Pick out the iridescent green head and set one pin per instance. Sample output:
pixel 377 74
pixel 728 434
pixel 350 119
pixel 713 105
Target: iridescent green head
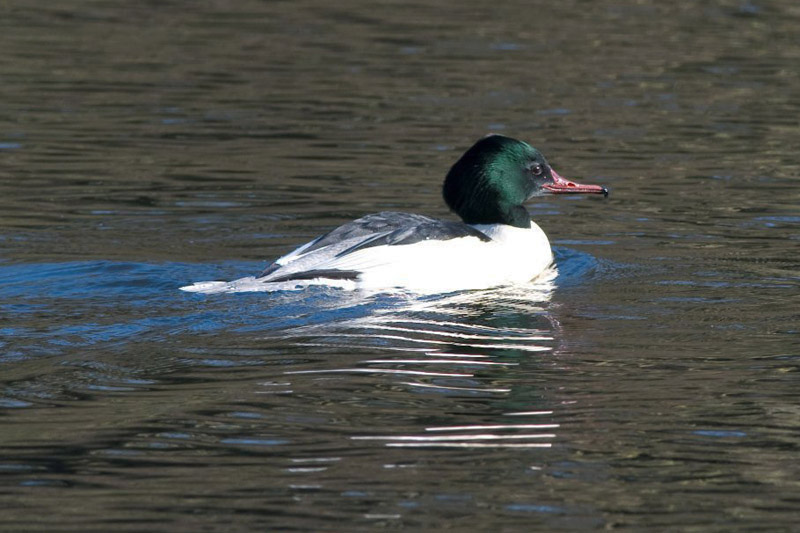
pixel 492 180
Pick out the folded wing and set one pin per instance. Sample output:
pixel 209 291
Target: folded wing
pixel 335 255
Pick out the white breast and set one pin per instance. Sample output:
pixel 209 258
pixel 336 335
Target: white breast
pixel 525 252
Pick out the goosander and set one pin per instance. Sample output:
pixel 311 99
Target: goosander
pixel 496 243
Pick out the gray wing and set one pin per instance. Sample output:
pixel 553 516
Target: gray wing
pixel 387 228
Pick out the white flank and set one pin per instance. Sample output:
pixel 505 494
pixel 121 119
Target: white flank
pixel 513 256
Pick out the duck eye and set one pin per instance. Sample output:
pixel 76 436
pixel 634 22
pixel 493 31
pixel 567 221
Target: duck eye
pixel 537 170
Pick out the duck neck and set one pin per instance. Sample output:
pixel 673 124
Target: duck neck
pixel 516 216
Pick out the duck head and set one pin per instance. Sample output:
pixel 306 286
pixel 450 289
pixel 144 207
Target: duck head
pixel 492 180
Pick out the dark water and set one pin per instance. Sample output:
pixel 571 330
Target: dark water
pixel 147 145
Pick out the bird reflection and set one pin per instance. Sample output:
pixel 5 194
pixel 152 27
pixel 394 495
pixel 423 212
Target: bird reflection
pixel 450 345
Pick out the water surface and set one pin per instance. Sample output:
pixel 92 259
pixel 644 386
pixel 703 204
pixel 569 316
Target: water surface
pixel 652 385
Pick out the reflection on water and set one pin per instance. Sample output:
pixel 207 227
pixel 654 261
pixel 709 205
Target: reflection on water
pixel 445 343
pixel 144 145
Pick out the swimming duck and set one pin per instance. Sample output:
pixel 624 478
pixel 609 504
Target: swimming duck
pixel 496 243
